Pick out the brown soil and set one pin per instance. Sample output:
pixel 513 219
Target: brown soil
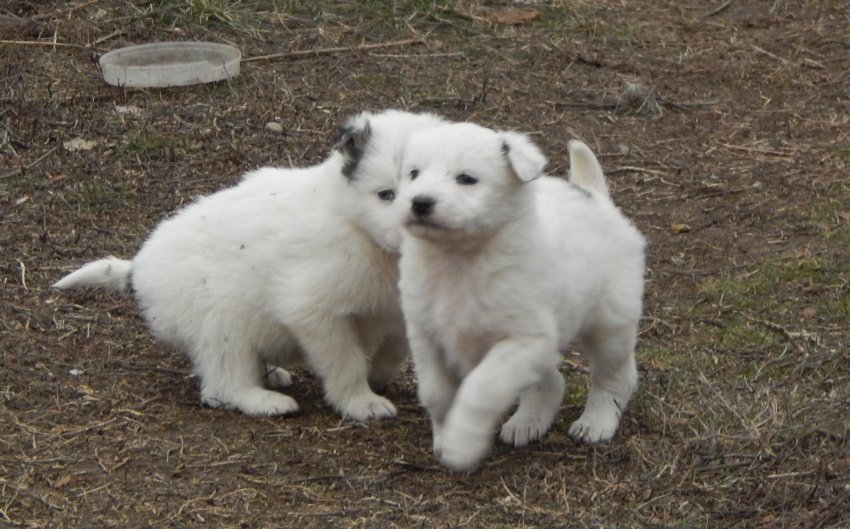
pixel 731 156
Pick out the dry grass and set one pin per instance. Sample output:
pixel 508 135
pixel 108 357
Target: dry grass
pixel 741 419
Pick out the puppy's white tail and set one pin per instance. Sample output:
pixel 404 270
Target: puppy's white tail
pixel 112 273
pixel 585 170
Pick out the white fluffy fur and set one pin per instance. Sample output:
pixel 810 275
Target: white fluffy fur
pixel 498 276
pixel 291 264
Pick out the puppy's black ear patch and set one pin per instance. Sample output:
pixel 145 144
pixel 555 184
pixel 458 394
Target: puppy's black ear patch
pixel 351 143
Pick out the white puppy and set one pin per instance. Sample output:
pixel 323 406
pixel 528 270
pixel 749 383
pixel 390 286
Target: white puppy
pixel 500 270
pixel 291 264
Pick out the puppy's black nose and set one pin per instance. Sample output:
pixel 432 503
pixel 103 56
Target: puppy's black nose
pixel 422 205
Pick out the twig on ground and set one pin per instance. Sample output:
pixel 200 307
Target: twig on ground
pixel 780 329
pixel 654 323
pixel 592 106
pixel 638 98
pixel 340 49
pixel 29 166
pixel 771 55
pixel 87 428
pixel 686 104
pixel 66 11
pixel 836 41
pixel 701 273
pixel 27 427
pixel 414 466
pixel 23 274
pixel 52 44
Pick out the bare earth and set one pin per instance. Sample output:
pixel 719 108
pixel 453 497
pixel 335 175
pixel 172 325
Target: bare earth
pixel 729 150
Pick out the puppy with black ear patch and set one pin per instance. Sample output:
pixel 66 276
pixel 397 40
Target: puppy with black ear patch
pixel 501 269
pixel 290 265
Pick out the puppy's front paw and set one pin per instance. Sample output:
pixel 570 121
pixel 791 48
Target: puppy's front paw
pixel 524 427
pixel 594 427
pixel 368 407
pixel 462 448
pixel 263 402
pixel 277 377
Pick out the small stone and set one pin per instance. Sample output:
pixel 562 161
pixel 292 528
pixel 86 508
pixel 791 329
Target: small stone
pixel 133 111
pixel 274 126
pixel 76 372
pixel 810 313
pixel 680 228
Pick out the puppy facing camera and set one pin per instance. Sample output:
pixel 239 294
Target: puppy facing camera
pixel 290 265
pixel 502 268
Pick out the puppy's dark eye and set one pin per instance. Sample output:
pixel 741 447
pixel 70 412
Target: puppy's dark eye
pixel 386 194
pixel 466 180
pixel 414 173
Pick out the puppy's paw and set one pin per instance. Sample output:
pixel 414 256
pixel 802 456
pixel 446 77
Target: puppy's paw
pixel 524 427
pixel 462 454
pixel 277 377
pixel 464 444
pixel 263 402
pixel 593 428
pixel 368 407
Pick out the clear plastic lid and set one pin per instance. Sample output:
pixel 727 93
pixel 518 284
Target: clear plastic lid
pixel 161 64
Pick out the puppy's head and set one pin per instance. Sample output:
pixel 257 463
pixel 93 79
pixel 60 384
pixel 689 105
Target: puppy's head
pixel 370 145
pixel 462 182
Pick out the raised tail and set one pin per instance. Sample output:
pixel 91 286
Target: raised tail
pixel 112 273
pixel 585 170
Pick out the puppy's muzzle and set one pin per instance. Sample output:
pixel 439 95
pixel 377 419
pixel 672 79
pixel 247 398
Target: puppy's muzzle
pixel 422 205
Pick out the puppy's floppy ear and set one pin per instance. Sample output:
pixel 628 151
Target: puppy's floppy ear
pixel 524 157
pixel 350 141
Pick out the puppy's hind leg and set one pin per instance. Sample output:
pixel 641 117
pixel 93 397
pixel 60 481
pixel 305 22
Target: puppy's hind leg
pixel 613 378
pixel 387 362
pixel 333 351
pixel 276 377
pixel 231 376
pixel 538 407
pixel 283 352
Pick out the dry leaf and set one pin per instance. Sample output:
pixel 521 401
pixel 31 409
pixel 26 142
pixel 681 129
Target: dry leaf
pixel 810 312
pixel 79 144
pixel 514 16
pixel 844 215
pixel 61 482
pixel 680 228
pixel 57 178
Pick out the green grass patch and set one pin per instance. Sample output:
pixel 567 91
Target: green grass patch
pixel 239 15
pixel 657 356
pixel 82 193
pixel 148 145
pixel 758 310
pixel 782 286
pixel 96 194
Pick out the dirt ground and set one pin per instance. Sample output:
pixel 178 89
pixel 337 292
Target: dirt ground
pixel 729 150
